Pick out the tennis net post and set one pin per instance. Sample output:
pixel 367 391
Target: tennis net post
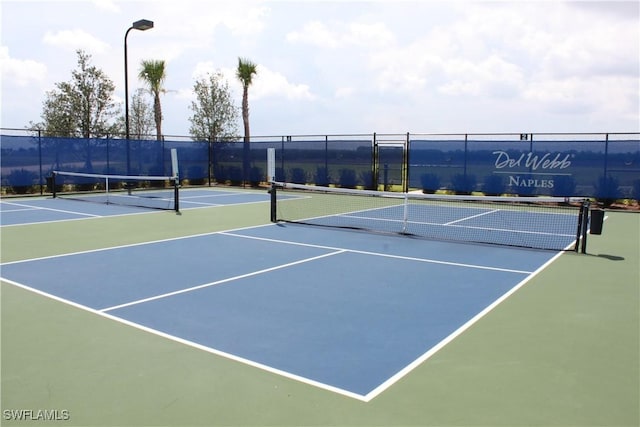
pixel 583 227
pixel 271 177
pixel 53 184
pixel 274 202
pixel 176 193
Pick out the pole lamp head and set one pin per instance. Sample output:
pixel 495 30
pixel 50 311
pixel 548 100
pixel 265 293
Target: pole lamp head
pixel 143 25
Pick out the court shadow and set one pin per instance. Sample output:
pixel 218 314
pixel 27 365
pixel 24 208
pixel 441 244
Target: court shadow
pixel 609 257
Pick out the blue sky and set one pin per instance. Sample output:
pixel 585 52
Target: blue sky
pixel 336 67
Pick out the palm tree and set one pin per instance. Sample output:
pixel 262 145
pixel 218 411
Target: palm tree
pixel 245 72
pixel 153 73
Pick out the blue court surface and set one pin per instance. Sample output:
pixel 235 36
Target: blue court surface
pixel 47 209
pixel 347 311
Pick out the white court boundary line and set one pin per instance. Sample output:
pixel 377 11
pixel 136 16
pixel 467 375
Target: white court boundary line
pixel 467 218
pixel 26 207
pixel 364 398
pixel 218 193
pixel 109 248
pixel 433 350
pixel 211 350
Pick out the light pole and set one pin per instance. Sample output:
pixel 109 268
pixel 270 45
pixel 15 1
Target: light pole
pixel 142 25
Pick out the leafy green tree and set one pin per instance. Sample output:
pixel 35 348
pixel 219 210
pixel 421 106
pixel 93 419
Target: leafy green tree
pixel 82 107
pixel 153 74
pixel 245 72
pixel 215 115
pixel 141 118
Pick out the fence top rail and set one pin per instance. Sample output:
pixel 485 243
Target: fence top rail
pixel 293 137
pixel 524 133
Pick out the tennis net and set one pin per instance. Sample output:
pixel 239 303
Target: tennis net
pixel 155 192
pixel 529 222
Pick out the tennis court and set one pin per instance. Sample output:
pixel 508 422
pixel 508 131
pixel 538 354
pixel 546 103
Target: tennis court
pixel 30 211
pixel 217 316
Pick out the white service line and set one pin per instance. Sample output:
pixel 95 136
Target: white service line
pixel 217 282
pixel 54 210
pixel 355 251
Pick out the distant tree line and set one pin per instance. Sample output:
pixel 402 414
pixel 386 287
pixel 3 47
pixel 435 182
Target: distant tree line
pixel 85 107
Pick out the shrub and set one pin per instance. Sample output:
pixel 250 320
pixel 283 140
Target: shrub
pixel 256 176
pixel 298 176
pixel 21 180
pixel 84 184
pixel 196 175
pixel 156 171
pixel 348 178
pixel 235 175
pixel 636 190
pixel 219 174
pixel 430 183
pixel 493 185
pixel 322 176
pixel 463 184
pixel 607 190
pixel 366 178
pixel 564 186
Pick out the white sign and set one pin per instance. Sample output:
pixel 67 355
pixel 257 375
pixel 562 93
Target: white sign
pixel 541 168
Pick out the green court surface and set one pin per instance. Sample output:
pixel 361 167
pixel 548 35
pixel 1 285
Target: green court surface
pixel 561 351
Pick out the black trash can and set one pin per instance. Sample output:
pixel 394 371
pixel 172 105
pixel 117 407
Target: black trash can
pixel 597 219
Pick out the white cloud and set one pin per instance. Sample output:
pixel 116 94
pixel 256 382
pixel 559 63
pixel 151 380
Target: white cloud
pixel 314 33
pixel 370 36
pixel 107 5
pixel 405 69
pixel 598 50
pixel 22 72
pixel 614 96
pixel 557 55
pixel 270 83
pixel 205 68
pixel 493 76
pixel 202 69
pixel 191 31
pixel 266 83
pixel 394 77
pixel 339 34
pixel 344 92
pixel 246 21
pixel 75 39
pixel 560 95
pixel 194 23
